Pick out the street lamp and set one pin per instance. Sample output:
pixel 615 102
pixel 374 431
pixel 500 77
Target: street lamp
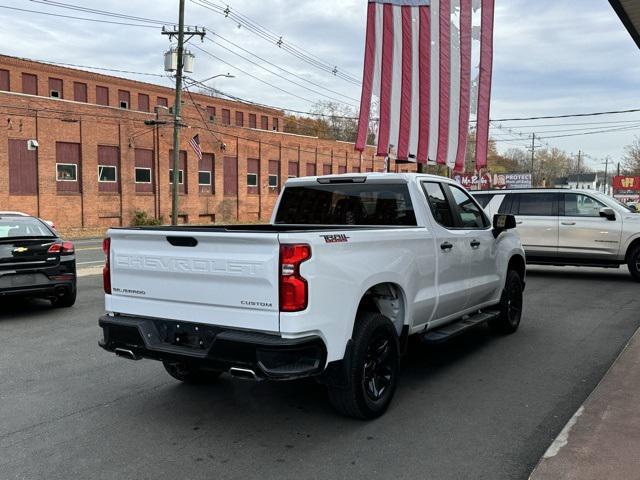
pixel 226 75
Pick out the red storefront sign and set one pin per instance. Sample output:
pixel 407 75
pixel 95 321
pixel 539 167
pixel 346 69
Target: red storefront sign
pixel 621 182
pixel 473 182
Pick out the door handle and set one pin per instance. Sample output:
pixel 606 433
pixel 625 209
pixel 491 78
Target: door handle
pixel 518 222
pixel 568 223
pixel 475 244
pixel 446 246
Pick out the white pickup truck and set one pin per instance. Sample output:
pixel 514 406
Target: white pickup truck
pixel 348 268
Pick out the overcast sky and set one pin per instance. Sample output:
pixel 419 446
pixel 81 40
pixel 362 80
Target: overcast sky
pixel 559 57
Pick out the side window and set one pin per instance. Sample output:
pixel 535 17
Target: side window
pixel 470 215
pixel 578 205
pixel 439 204
pixel 537 204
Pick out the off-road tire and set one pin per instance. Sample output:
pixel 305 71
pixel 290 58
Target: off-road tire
pixel 510 306
pixel 633 262
pixel 372 369
pixel 190 374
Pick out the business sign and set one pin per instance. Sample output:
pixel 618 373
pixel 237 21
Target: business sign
pixel 511 180
pixel 621 182
pixel 472 181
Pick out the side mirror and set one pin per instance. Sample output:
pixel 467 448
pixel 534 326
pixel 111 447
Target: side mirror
pixel 608 213
pixel 502 222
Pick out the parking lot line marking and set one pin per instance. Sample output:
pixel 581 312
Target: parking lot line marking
pixel 89 263
pixel 88 248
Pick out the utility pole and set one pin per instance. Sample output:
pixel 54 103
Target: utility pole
pixel 579 173
pixel 177 107
pixel 533 152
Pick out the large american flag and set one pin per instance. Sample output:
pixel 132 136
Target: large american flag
pixel 195 144
pixel 418 62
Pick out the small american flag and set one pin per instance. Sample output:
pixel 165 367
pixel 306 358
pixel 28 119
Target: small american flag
pixel 195 144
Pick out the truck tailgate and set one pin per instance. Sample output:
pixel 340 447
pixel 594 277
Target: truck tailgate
pixel 218 278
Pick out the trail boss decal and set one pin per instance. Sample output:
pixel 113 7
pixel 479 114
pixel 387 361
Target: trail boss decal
pixel 341 237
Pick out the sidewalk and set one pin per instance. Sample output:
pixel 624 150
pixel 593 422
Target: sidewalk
pixel 602 440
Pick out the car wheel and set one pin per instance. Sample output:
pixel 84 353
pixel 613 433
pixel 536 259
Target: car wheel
pixel 510 306
pixel 66 300
pixel 372 369
pixel 190 374
pixel 633 262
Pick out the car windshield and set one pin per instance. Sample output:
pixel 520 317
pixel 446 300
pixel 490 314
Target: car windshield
pixel 20 227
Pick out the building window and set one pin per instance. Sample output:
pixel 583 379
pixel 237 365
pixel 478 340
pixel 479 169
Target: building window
pixel 66 172
pixel 230 176
pixel 264 122
pixel 342 169
pixel 211 113
pixel 143 175
pixel 162 102
pixel 55 88
pixel 252 120
pixel 206 173
pixel 274 175
pixel 226 116
pixel 80 92
pixel 102 95
pixel 107 174
pixel 144 164
pixel 293 170
pixel 23 176
pixel 311 169
pixel 204 178
pixel 68 167
pixel 239 119
pixel 276 125
pixel 180 176
pixel 326 169
pixel 143 102
pixel 253 175
pixel 124 98
pixel 29 84
pixel 5 83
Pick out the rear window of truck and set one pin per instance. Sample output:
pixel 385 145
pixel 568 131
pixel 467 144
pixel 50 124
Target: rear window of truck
pixel 347 204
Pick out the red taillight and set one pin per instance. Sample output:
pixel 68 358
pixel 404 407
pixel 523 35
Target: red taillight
pixel 293 287
pixel 63 248
pixel 106 271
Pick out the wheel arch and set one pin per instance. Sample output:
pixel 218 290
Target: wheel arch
pixel 634 243
pixel 519 264
pixel 386 298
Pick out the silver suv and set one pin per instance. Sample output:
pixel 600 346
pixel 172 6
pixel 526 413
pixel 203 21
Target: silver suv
pixel 570 227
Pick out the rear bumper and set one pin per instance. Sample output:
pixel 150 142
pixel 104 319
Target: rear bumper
pixel 268 356
pixel 54 288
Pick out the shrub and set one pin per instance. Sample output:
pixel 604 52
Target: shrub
pixel 142 219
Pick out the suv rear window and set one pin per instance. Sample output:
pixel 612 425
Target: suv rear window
pixel 535 204
pixel 346 204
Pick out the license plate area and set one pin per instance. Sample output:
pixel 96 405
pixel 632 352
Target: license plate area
pixel 186 335
pixel 23 280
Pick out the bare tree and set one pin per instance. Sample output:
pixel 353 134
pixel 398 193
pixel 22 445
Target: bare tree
pixel 631 158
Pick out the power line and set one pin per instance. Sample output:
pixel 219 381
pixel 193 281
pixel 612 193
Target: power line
pixel 280 76
pixel 281 68
pixel 276 39
pixel 105 69
pixel 569 115
pixel 77 18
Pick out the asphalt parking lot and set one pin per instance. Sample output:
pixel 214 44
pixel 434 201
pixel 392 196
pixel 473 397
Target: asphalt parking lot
pixel 481 407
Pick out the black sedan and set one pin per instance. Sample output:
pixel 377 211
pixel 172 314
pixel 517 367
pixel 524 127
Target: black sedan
pixel 35 261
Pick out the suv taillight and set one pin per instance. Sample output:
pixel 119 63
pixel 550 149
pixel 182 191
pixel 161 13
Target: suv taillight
pixel 293 287
pixel 106 271
pixel 63 248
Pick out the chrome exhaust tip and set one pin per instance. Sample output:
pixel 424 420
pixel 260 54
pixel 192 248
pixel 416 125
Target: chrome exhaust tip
pixel 244 373
pixel 128 354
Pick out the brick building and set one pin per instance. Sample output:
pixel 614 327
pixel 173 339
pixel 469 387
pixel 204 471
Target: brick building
pixel 75 149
